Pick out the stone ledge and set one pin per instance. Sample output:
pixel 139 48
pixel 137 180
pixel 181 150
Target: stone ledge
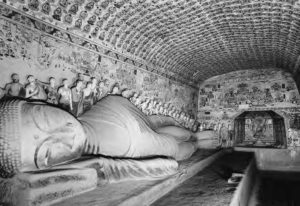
pixel 47 187
pixel 143 192
pixel 149 196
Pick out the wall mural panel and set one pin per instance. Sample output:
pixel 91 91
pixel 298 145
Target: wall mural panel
pixel 223 97
pixel 30 52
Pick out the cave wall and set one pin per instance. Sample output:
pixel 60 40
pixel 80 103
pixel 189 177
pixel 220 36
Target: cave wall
pixel 26 49
pixel 224 97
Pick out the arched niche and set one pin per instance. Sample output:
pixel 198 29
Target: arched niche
pixel 260 129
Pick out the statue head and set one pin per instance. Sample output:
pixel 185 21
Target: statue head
pixel 65 82
pixel 126 93
pixel 94 81
pixel 101 84
pixel 15 78
pixel 89 85
pixel 115 89
pixel 37 136
pixel 79 84
pixel 52 81
pixel 80 76
pixel 31 79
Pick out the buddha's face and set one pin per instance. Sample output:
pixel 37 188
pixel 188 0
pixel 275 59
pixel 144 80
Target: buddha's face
pixel 50 136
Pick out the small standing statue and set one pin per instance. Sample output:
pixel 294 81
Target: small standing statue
pixel 101 91
pixel 115 89
pixel 2 93
pixel 95 90
pixel 77 98
pixel 51 91
pixel 34 90
pixel 14 88
pixel 126 93
pixel 134 98
pixel 87 97
pixel 65 97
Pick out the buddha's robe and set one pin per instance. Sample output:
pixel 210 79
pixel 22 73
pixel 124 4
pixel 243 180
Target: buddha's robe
pixel 115 127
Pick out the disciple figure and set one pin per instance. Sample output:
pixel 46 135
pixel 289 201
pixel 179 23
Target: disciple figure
pixel 134 98
pixel 115 89
pixel 126 93
pixel 77 98
pixel 34 90
pixel 14 88
pixel 2 93
pixel 87 97
pixel 94 89
pixel 65 97
pixel 51 91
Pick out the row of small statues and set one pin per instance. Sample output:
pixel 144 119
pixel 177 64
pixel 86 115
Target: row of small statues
pixel 83 94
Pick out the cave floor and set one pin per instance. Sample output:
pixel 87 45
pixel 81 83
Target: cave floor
pixel 209 187
pixel 278 189
pixel 143 192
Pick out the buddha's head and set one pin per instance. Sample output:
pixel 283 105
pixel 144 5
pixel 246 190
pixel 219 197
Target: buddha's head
pixel 36 136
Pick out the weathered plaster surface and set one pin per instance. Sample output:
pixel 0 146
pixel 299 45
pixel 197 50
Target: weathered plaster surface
pixel 224 97
pixel 31 51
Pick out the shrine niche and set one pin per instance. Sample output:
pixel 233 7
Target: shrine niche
pixel 260 129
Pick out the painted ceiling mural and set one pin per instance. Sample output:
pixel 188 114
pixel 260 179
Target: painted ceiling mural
pixel 188 39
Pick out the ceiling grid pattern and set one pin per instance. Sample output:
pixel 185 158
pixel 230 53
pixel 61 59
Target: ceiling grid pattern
pixel 191 39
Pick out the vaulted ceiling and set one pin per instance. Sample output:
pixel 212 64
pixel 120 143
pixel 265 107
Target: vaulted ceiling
pixel 193 39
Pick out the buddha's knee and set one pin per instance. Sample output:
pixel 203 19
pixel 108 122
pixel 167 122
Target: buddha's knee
pixel 179 133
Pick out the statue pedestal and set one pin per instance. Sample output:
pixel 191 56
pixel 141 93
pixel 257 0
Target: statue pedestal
pixel 64 181
pixel 46 187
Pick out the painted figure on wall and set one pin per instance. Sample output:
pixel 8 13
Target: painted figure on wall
pixel 14 88
pixel 258 128
pixel 65 98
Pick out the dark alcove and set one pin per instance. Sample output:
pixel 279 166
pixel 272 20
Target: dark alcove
pixel 260 129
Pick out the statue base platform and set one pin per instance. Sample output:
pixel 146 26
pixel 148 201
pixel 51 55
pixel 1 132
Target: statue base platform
pixel 46 187
pixel 102 181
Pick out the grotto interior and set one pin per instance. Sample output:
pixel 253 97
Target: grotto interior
pixel 149 102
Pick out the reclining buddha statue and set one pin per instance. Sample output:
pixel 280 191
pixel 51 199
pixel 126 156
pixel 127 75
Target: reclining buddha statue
pixel 35 136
